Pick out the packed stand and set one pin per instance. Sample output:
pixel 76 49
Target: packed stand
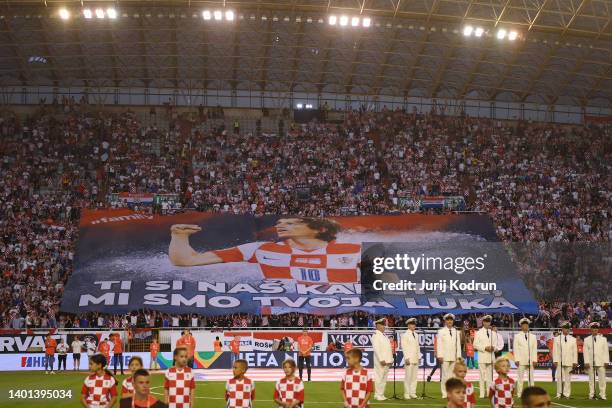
pixel 540 183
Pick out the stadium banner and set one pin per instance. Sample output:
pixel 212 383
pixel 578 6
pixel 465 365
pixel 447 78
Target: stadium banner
pixel 36 361
pixel 274 359
pixel 34 342
pixel 363 339
pixel 208 360
pixel 215 264
pixel 269 340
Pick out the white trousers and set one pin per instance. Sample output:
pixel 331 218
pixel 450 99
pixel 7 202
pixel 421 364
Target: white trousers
pixel 380 378
pixel 447 368
pixel 410 380
pixel 564 372
pixel 601 374
pixel 485 379
pixel 522 370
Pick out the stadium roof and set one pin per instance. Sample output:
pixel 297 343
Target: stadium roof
pixel 562 54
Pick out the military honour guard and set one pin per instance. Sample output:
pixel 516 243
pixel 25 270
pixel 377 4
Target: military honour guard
pixel 448 350
pixel 383 359
pixel 485 342
pixel 525 354
pixel 412 355
pixel 565 359
pixel 596 359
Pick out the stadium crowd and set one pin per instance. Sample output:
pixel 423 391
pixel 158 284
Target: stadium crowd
pixel 541 184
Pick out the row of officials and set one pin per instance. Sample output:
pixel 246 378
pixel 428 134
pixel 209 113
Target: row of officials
pixel 448 350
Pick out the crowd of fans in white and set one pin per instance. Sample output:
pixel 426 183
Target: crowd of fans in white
pixel 541 183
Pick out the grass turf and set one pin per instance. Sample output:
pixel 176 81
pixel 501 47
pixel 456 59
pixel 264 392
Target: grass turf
pixel 210 394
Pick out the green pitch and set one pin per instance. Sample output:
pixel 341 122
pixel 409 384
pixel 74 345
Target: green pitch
pixel 210 394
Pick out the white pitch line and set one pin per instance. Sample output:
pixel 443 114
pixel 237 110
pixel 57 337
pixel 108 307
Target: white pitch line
pixel 567 406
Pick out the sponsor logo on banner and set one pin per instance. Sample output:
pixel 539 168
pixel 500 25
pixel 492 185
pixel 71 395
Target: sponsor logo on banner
pixel 205 359
pixel 26 343
pixel 35 342
pixel 363 339
pixel 359 339
pixel 265 340
pixel 36 361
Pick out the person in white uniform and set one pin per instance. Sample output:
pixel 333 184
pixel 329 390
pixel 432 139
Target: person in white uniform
pixel 596 358
pixel 383 358
pixel 565 358
pixel 412 355
pixel 448 350
pixel 485 342
pixel 525 354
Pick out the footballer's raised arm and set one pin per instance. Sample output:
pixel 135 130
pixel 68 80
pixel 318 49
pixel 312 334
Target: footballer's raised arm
pixel 180 251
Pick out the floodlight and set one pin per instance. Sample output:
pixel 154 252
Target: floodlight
pixel 64 14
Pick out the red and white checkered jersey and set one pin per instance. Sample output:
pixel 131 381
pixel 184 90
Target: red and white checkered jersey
pixel 277 260
pixel 127 386
pixel 470 397
pixel 289 390
pixel 99 390
pixel 501 390
pixel 179 383
pixel 356 384
pixel 239 393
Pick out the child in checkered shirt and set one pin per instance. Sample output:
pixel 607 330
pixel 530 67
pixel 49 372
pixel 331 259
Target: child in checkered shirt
pixel 357 384
pixel 179 383
pixel 127 386
pixel 239 390
pixel 289 391
pixel 455 393
pixel 460 372
pixel 100 388
pixel 503 389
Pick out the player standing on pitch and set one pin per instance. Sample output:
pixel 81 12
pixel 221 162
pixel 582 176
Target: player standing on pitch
pixel 305 344
pixel 307 252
